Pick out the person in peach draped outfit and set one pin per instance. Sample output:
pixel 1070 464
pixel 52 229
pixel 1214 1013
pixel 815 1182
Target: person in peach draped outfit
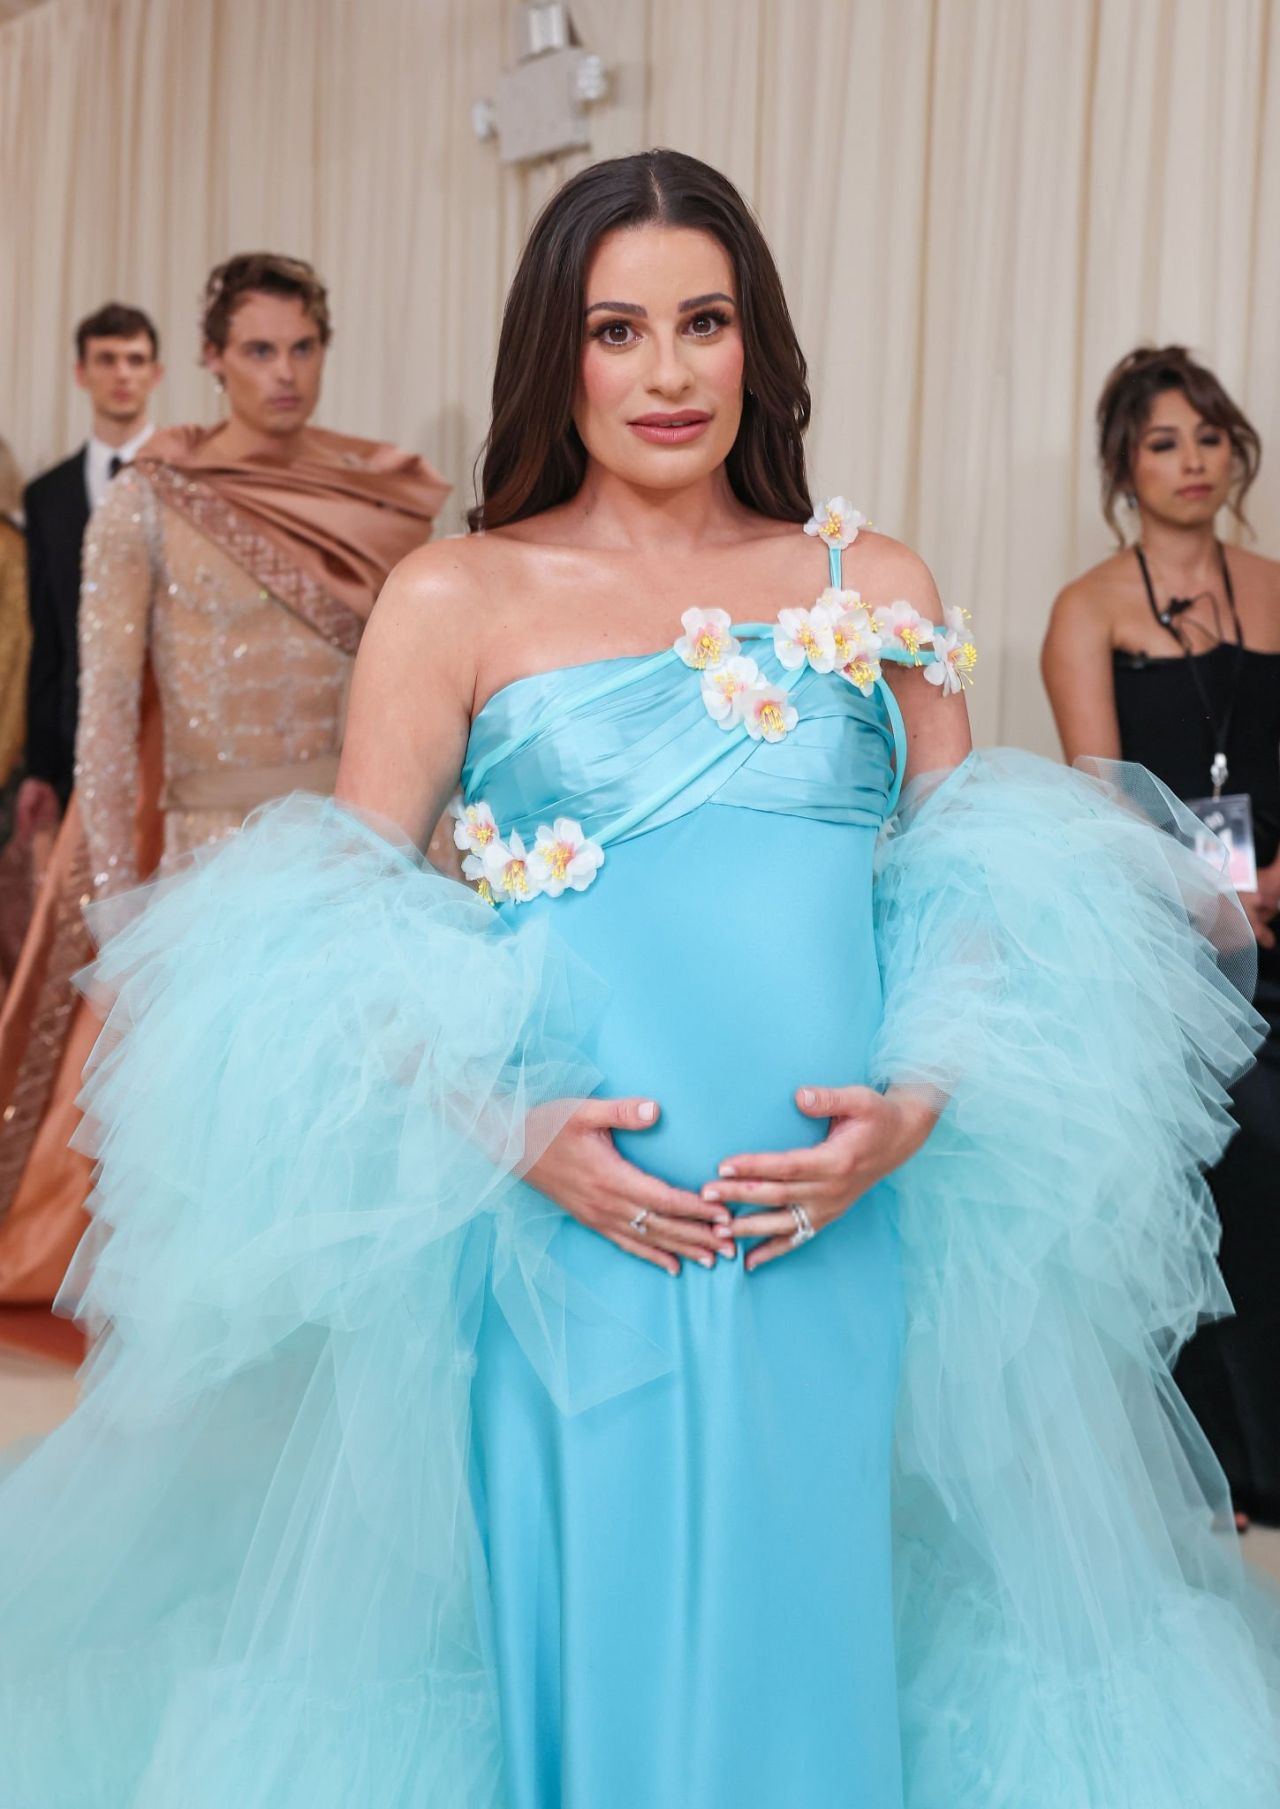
pixel 228 574
pixel 15 648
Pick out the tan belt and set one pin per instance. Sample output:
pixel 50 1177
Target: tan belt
pixel 245 787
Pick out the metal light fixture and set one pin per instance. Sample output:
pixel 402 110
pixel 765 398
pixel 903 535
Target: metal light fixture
pixel 540 107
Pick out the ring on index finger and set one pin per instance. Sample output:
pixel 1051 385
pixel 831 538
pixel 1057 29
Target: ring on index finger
pixel 637 1224
pixel 804 1226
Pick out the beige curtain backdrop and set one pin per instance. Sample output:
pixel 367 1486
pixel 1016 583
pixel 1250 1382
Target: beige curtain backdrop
pixel 977 206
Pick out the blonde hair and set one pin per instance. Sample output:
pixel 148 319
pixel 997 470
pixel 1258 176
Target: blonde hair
pixel 10 482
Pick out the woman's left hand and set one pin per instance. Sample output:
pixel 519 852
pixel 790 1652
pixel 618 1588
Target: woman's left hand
pixel 871 1134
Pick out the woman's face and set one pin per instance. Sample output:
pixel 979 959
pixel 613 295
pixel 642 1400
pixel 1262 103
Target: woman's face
pixel 659 395
pixel 1183 464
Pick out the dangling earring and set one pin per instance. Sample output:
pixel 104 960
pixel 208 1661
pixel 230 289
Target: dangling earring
pixel 1130 500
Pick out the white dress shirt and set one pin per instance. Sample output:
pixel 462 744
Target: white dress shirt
pixel 97 461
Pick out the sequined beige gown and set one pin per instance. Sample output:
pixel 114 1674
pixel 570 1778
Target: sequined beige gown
pixel 252 687
pixel 251 659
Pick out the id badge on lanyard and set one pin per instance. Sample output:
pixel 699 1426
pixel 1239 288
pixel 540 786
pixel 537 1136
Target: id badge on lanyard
pixel 1227 819
pixel 1228 823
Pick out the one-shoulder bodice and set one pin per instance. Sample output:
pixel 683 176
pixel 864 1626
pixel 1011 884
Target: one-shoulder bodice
pixel 791 719
pixel 625 745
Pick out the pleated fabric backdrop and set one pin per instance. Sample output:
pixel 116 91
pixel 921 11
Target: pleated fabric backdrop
pixel 977 206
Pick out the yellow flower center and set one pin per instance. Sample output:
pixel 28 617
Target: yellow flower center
pixel 515 878
pixel 557 857
pixel 706 649
pixel 962 660
pixel 808 640
pixel 910 640
pixel 485 890
pixel 843 643
pixel 859 672
pixel 481 831
pixel 833 524
pixel 771 717
pixel 727 684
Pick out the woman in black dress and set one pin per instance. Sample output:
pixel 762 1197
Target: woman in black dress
pixel 1168 654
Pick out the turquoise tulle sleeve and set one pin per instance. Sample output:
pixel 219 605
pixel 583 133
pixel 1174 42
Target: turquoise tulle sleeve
pixel 1070 984
pixel 321 1059
pixel 324 1071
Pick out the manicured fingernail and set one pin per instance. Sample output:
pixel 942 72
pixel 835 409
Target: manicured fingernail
pixel 723 1217
pixel 711 1193
pixel 728 1251
pixel 807 1096
pixel 726 1171
pixel 648 1111
pixel 708 1262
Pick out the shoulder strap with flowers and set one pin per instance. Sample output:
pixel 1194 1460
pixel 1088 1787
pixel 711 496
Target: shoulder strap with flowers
pixel 839 634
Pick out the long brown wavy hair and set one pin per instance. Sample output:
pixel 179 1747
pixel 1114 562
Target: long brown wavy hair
pixel 533 457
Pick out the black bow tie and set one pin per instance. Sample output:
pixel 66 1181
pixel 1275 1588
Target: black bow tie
pixel 115 464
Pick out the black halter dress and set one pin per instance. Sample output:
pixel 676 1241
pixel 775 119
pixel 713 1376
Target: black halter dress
pixel 1229 1370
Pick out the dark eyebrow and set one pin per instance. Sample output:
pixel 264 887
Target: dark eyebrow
pixel 633 308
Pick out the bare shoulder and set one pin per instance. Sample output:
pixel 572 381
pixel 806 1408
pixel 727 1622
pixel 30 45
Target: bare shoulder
pixel 1092 602
pixel 435 597
pixel 1257 569
pixel 886 570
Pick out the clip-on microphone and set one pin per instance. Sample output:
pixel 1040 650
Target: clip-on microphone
pixel 1174 607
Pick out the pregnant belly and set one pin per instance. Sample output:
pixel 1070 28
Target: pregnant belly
pixel 738 953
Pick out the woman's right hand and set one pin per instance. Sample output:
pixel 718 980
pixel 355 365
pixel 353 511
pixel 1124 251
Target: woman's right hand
pixel 583 1173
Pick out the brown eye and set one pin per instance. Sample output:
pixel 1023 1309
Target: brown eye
pixel 613 332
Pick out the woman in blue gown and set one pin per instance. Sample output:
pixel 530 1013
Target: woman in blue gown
pixel 683 1318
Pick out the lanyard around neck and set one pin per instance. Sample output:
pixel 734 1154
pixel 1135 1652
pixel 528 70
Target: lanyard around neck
pixel 1166 617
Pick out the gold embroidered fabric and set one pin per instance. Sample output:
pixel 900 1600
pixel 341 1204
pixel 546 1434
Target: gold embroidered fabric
pixel 251 660
pixel 15 646
pixel 39 1005
pixel 268 563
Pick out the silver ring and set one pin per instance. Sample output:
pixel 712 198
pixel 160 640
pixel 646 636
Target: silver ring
pixel 637 1223
pixel 804 1226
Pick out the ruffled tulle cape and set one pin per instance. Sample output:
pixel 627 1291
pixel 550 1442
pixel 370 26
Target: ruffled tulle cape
pixel 249 1570
pixel 1075 1627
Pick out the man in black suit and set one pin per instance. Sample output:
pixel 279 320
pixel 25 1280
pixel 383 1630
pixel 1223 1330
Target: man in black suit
pixel 118 364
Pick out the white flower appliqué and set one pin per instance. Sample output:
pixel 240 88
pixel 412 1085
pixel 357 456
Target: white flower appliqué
pixel 474 826
pixel 902 626
pixel 724 688
pixel 807 634
pixel 836 522
pixel 504 870
pixel 955 654
pixel 855 632
pixel 563 858
pixel 767 714
pixel 505 866
pixel 707 640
